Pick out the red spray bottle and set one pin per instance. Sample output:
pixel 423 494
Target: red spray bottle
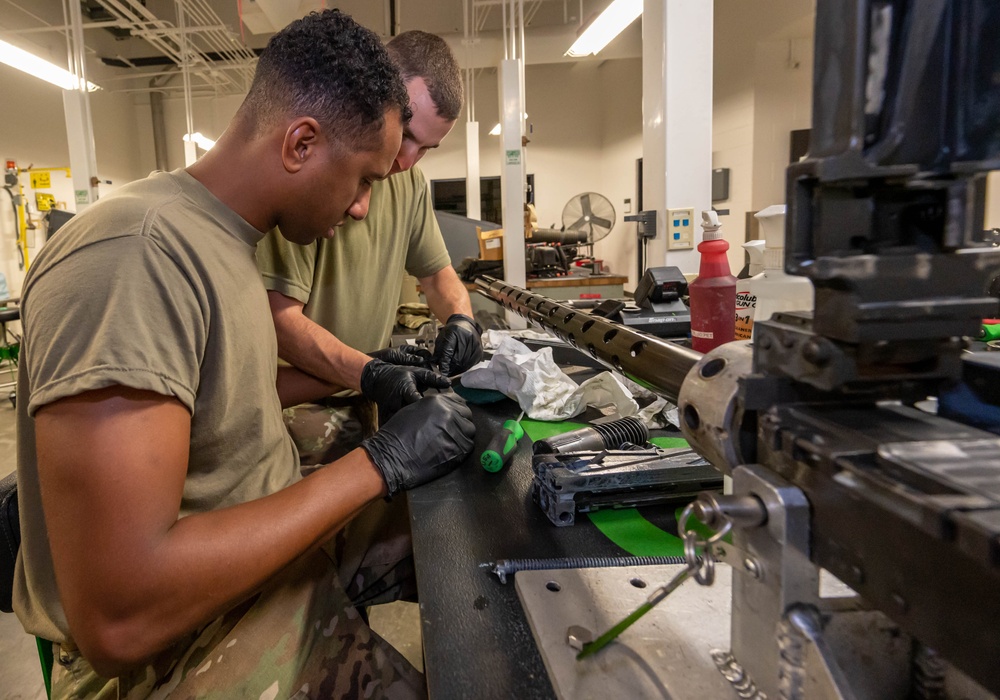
pixel 713 293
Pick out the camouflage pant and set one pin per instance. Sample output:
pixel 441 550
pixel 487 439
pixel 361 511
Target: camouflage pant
pixel 301 637
pixel 326 432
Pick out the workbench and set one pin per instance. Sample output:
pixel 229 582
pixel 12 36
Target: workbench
pixel 476 639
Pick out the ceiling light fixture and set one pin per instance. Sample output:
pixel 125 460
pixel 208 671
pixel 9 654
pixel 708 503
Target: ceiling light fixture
pixel 40 68
pixel 609 24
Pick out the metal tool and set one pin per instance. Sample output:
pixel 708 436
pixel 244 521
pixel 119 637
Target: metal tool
pixel 508 567
pixel 654 599
pixel 497 454
pixel 700 563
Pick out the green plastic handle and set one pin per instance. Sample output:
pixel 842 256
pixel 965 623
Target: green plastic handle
pixel 990 331
pixel 497 454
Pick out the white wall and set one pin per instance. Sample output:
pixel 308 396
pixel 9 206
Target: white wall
pixel 782 103
pixel 34 134
pixel 564 103
pixel 621 147
pixel 753 86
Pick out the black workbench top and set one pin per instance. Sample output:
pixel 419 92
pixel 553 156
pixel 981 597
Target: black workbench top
pixel 477 642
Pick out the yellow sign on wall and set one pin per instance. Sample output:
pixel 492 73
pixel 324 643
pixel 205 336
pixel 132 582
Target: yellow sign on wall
pixel 44 201
pixel 41 179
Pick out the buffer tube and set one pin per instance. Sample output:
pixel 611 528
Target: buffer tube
pixel 652 362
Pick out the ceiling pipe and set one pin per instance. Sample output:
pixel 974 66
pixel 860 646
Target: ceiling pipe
pixel 159 121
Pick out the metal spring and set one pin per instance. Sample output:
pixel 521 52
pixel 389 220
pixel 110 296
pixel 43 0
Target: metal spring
pixel 618 432
pixel 508 567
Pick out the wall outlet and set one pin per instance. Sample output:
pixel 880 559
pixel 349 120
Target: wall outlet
pixel 680 229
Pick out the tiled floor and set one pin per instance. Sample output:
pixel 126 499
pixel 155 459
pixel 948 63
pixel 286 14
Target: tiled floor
pixel 20 673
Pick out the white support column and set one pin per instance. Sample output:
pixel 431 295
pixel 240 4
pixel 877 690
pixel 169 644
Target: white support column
pixel 473 198
pixel 512 179
pixel 79 124
pixel 82 154
pixel 676 119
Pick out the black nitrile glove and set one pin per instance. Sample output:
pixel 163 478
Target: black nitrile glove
pixel 425 440
pixel 404 356
pixel 392 386
pixel 459 345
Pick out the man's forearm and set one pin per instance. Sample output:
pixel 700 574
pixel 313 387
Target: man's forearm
pixel 184 581
pixel 133 577
pixel 305 344
pixel 446 295
pixel 295 387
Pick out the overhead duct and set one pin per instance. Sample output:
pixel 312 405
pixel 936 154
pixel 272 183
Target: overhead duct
pixel 159 122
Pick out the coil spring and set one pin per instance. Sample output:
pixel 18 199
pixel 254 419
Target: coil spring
pixel 617 433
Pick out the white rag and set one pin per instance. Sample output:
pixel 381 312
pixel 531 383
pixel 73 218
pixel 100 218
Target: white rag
pixel 541 389
pixel 493 338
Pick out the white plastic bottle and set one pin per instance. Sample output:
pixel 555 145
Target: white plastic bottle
pixel 746 302
pixel 773 288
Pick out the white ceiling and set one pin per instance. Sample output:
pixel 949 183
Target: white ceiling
pixel 138 55
pixel 215 26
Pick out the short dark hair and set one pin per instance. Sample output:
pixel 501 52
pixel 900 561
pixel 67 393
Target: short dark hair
pixel 422 55
pixel 329 67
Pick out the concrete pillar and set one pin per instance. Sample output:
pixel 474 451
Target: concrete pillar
pixel 473 197
pixel 79 124
pixel 676 124
pixel 512 177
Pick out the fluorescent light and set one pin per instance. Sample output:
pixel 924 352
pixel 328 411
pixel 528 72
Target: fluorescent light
pixel 203 141
pixel 612 22
pixel 495 131
pixel 39 67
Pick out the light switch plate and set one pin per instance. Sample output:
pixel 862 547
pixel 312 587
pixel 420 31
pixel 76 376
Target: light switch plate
pixel 680 229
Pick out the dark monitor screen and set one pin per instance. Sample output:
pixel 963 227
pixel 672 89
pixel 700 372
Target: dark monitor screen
pixel 57 218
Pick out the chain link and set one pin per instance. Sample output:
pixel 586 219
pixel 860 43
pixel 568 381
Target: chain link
pixel 697 550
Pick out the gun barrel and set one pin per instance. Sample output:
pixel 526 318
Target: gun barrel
pixel 657 364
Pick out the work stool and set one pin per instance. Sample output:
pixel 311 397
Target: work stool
pixel 10 543
pixel 10 345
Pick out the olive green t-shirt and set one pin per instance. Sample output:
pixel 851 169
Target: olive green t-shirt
pixel 350 283
pixel 153 288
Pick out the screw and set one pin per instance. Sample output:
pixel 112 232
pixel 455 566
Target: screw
pixel 752 567
pixel 577 636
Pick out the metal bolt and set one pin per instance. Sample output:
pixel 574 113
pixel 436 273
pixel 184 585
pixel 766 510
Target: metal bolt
pixel 752 567
pixel 577 636
pixel 816 353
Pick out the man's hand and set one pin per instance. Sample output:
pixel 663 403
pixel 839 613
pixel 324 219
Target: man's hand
pixel 459 345
pixel 405 356
pixel 393 386
pixel 422 442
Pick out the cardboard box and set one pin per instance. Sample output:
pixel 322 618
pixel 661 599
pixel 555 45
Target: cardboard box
pixel 490 244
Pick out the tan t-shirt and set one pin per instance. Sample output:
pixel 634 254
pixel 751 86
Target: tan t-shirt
pixel 153 288
pixel 350 283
